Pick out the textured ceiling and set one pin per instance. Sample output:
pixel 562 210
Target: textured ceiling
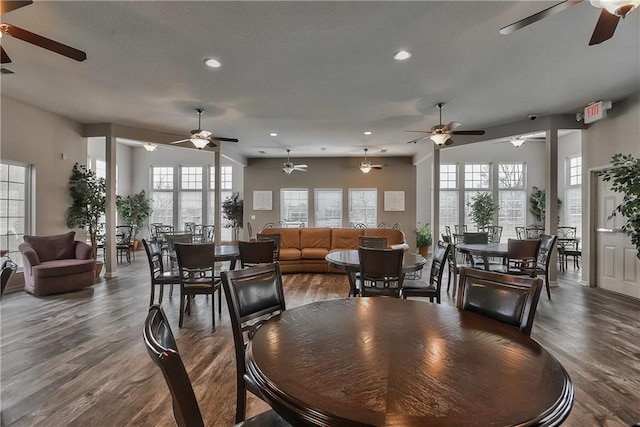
pixel 318 73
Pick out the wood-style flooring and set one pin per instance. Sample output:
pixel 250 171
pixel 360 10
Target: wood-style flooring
pixel 79 360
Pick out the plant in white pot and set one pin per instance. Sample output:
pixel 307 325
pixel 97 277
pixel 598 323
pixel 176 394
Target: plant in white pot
pixel 134 211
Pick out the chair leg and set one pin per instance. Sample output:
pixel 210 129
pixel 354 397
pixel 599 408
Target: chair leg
pixel 213 311
pixel 219 301
pixel 153 294
pixel 180 320
pixel 171 291
pixel 546 283
pixel 161 294
pixel 241 400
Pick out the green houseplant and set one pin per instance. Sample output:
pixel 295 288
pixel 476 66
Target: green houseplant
pixel 88 200
pixel 538 205
pixel 233 209
pixel 483 209
pixel 424 239
pixel 624 175
pixel 134 210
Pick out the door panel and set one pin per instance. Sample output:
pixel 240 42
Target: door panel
pixel 618 268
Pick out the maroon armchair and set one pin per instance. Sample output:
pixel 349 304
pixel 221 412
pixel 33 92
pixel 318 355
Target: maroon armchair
pixel 56 264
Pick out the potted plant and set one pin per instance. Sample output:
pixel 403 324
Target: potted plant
pixel 233 209
pixel 624 175
pixel 87 208
pixel 538 205
pixel 483 209
pixel 424 239
pixel 134 211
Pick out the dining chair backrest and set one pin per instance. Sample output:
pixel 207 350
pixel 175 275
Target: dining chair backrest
pixel 161 346
pixel 357 225
pixel 254 253
pixel 494 232
pixel 190 227
pixel 520 233
pixel 382 225
pixel 460 228
pixel 440 257
pixel 8 269
pixel 254 295
pixel 207 233
pixel 195 261
pixel 172 239
pixel 276 237
pixel 509 299
pixel 396 226
pixel 381 271
pixel 475 238
pixel 124 234
pixel 522 256
pixel 534 231
pixel 154 256
pixel 379 242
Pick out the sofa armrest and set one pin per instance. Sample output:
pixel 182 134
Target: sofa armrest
pixel 29 256
pixel 83 250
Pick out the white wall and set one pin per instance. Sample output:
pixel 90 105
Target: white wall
pixel 39 138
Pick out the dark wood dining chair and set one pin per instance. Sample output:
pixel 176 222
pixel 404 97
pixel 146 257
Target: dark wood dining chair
pixel 163 350
pixel 254 295
pixel 124 234
pixel 509 299
pixel 172 239
pixel 378 242
pixel 8 269
pixel 547 243
pixel 381 272
pixel 198 276
pixel 254 253
pixel 429 289
pixel 159 276
pixel 522 258
pixel 276 237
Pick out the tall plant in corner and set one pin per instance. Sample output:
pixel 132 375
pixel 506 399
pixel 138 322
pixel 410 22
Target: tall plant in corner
pixel 88 201
pixel 483 209
pixel 233 210
pixel 624 175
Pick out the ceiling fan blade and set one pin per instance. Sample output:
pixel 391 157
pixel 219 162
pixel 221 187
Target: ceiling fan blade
pixel 450 126
pixel 43 42
pixel 7 6
pixel 218 138
pixel 538 16
pixel 376 167
pixel 467 132
pixel 419 131
pixel 180 142
pixel 605 27
pixel 301 166
pixel 5 57
pixel 413 141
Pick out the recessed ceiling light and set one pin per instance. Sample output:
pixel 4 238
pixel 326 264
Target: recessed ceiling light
pixel 401 55
pixel 367 132
pixel 273 134
pixel 213 63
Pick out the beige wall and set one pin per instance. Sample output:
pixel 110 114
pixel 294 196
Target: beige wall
pixel 399 175
pixel 618 133
pixel 37 137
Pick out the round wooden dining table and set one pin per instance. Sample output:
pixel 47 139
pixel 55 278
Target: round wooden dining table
pixel 393 362
pixel 349 260
pixel 484 250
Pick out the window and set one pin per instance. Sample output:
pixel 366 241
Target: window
pixel 226 181
pixel 477 176
pixel 512 198
pixel 294 207
pixel 162 194
pixel 14 207
pixel 328 207
pixel 363 206
pixel 573 194
pixel 448 196
pixel 190 195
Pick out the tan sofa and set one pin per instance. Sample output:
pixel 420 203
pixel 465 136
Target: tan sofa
pixel 302 250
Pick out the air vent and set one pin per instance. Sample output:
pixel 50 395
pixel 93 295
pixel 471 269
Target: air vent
pixel 5 70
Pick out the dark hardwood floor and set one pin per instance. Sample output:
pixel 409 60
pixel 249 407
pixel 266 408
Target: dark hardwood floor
pixel 78 359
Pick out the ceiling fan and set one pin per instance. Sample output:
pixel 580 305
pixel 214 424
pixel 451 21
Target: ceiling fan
pixel 519 140
pixel 441 134
pixel 612 11
pixel 29 37
pixel 366 166
pixel 289 167
pixel 202 138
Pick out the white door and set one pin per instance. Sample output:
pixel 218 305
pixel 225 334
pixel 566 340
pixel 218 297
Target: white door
pixel 618 268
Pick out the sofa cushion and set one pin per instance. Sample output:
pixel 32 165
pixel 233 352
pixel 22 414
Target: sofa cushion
pixel 63 267
pixel 315 238
pixel 290 254
pixel 49 248
pixel 345 238
pixel 314 253
pixel 289 237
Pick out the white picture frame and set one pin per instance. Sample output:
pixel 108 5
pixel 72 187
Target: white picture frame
pixel 262 200
pixel 394 201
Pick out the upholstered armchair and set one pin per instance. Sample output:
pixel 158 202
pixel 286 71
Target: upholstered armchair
pixel 56 264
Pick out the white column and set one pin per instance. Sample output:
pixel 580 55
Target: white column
pixel 110 214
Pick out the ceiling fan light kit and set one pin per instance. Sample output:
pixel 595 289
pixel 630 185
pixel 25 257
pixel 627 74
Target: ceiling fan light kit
pixel 616 7
pixel 365 167
pixel 150 147
pixel 439 138
pixel 198 142
pixel 517 141
pixel 440 134
pixel 288 167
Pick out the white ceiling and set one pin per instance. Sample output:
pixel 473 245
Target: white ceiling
pixel 318 73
